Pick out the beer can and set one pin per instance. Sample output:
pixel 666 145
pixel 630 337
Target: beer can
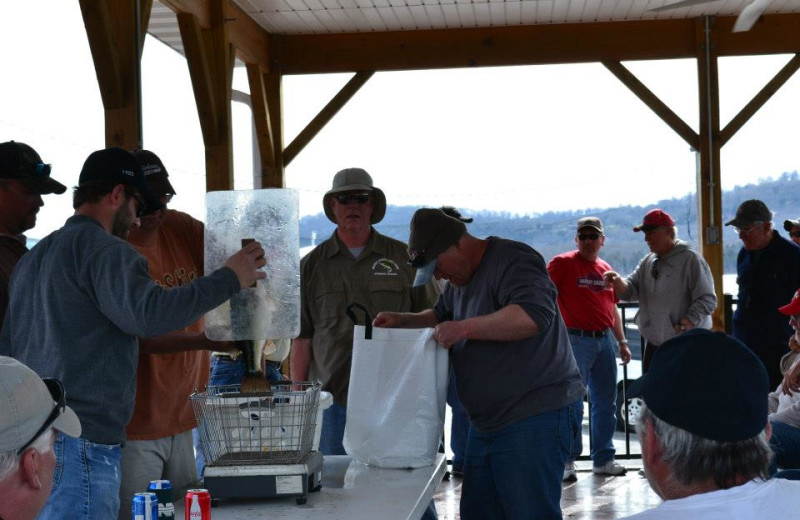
pixel 197 504
pixel 144 507
pixel 166 498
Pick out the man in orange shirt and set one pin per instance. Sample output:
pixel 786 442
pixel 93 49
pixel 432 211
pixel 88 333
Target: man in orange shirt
pixel 159 444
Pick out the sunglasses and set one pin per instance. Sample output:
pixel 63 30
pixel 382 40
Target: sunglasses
pixel 588 236
pixel 795 234
pixel 349 198
pixel 56 390
pixel 654 269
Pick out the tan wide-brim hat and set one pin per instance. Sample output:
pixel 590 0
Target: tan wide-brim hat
pixel 356 179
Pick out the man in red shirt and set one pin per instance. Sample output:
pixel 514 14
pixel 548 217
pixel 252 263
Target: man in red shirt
pixel 591 316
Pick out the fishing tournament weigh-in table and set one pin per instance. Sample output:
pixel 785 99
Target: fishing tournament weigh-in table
pixel 350 490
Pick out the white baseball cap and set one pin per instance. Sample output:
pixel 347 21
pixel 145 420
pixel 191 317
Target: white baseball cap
pixel 29 405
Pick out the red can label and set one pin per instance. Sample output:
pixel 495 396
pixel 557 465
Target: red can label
pixel 197 504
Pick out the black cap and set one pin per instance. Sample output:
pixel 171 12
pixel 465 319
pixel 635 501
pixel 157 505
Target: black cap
pixel 21 162
pixel 709 384
pixel 121 167
pixel 155 174
pixel 432 233
pixel 750 211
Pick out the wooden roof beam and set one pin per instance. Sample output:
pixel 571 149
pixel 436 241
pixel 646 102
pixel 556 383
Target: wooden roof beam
pixel 527 45
pixel 252 43
pixel 759 99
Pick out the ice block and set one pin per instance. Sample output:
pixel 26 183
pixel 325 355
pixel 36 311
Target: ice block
pixel 270 309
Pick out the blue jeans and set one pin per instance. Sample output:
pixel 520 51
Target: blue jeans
pixel 516 472
pixel 785 443
pixel 225 371
pixel 597 363
pixel 332 434
pixel 459 424
pixel 85 481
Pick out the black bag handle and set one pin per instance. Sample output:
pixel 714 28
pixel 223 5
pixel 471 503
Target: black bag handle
pixel 367 318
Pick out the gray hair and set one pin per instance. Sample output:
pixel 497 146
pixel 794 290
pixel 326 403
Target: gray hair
pixel 9 460
pixel 695 459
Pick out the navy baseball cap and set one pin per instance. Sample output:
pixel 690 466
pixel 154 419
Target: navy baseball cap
pixel 709 384
pixel 121 167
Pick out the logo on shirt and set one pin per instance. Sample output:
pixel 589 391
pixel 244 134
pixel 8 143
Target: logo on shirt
pixel 592 281
pixel 385 267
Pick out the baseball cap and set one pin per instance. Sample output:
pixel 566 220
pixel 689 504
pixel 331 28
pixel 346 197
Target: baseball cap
pixel 27 403
pixel 356 179
pixel 653 219
pixel 155 174
pixel 709 384
pixel 793 307
pixel 21 162
pixel 590 222
pixel 789 224
pixel 119 166
pixel 750 211
pixel 432 233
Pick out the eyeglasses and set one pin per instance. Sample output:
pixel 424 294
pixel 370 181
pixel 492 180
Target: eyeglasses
pixel 349 198
pixel 588 236
pixel 795 234
pixel 56 390
pixel 746 231
pixel 654 269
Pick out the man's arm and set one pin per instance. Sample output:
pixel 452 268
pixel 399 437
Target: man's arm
pixel 300 359
pixel 406 320
pixel 613 280
pixel 180 341
pixel 704 299
pixel 619 334
pixel 511 323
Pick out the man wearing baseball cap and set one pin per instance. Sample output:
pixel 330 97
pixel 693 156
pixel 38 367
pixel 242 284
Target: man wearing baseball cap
pixel 24 178
pixel 78 300
pixel 768 273
pixel 594 325
pixel 515 371
pixel 704 433
pixel 31 411
pixel 673 285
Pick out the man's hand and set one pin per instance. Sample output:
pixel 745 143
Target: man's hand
pixel 624 353
pixel 388 320
pixel 448 333
pixel 246 262
pixel 791 380
pixel 683 325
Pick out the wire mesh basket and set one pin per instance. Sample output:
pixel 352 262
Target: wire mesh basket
pixel 275 427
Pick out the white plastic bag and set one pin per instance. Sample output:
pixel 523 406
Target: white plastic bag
pixel 396 400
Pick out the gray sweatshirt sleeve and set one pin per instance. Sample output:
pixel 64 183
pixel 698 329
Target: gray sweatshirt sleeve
pixel 704 299
pixel 118 278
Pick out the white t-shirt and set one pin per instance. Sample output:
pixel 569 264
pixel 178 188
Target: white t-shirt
pixel 755 500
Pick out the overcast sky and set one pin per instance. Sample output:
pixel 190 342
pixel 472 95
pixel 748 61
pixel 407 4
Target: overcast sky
pixel 517 139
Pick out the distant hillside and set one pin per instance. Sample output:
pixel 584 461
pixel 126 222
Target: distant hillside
pixel 552 233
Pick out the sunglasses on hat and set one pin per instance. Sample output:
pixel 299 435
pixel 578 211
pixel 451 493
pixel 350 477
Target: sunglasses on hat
pixel 56 390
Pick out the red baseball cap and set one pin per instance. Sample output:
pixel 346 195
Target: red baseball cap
pixel 653 219
pixel 793 307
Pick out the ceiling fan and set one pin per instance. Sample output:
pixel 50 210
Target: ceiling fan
pixel 747 18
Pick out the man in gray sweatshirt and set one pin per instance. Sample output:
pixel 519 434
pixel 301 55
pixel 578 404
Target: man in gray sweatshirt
pixel 672 283
pixel 78 300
